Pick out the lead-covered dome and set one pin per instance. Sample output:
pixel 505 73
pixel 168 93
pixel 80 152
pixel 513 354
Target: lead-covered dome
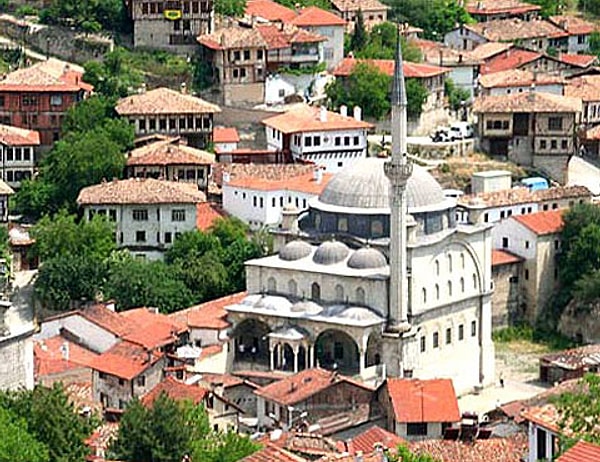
pixel 367 258
pixel 363 185
pixel 295 250
pixel 330 253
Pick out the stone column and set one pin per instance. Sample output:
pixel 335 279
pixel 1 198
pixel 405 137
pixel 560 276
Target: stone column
pixel 361 358
pixel 295 350
pixel 271 357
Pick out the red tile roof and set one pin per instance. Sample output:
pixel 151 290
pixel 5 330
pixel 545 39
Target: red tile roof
pixel 517 78
pixel 225 135
pixel 522 195
pixel 542 223
pixel 489 49
pixel 307 119
pixel 586 87
pixel 152 330
pixel 224 380
pixel 581 452
pixel 304 183
pixel 125 360
pixel 306 444
pixel 168 152
pixel 369 439
pixel 164 101
pixel 15 136
pixel 573 25
pixel 527 102
pixel 492 7
pixel 546 416
pixel 57 354
pixel 211 350
pixel 423 400
pixel 511 59
pixel 502 257
pixel 207 213
pixel 355 5
pixel 269 10
pixel 315 16
pixel 272 453
pixel 298 387
pixel 107 319
pixel 512 29
pixel 411 70
pixel 283 36
pixel 177 391
pixel 46 76
pixel 577 60
pixel 208 315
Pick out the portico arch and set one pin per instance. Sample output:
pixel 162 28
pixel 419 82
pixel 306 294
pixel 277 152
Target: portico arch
pixel 251 343
pixel 373 356
pixel 335 349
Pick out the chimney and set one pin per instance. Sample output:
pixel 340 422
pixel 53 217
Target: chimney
pixel 64 349
pixel 226 177
pixel 110 306
pixel 318 175
pixel 531 94
pixel 344 110
pixel 183 88
pixel 143 88
pixel 323 114
pixel 357 113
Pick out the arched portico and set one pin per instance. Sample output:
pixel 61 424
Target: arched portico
pixel 251 343
pixel 335 349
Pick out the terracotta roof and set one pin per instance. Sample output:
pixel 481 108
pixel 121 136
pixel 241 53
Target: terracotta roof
pixel 268 172
pixel 49 75
pixel 224 380
pixel 386 66
pixel 517 78
pixel 367 440
pixel 211 350
pixel 81 395
pixel 542 223
pixel 509 30
pixel 581 452
pixel 57 354
pixel 593 133
pixel 107 319
pixel 125 360
pixel 140 191
pixel 279 36
pixel 269 10
pixel 315 16
pixel 503 257
pixel 225 135
pixel 272 453
pixel 298 387
pixel 208 315
pixel 233 37
pixel 355 5
pixel 207 213
pixel 520 195
pixel 164 101
pixel 374 456
pixel 527 102
pixel 573 24
pixel 177 391
pixel 305 444
pixel 306 119
pixel 489 49
pixel 15 136
pixel 586 87
pixel 574 358
pixel 491 7
pixel 438 54
pixel 152 330
pixel 304 183
pixel 102 438
pixel 546 416
pixel 577 60
pixel 513 448
pixel 510 59
pixel 168 152
pixel 423 400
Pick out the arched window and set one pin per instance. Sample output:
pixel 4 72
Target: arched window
pixel 462 284
pixel 360 296
pixel 474 281
pixel 376 228
pixel 292 288
pixel 437 292
pixel 315 291
pixel 424 295
pixel 343 224
pixel 339 293
pixel 462 260
pixel 449 288
pixel 437 268
pixel 449 263
pixel 271 285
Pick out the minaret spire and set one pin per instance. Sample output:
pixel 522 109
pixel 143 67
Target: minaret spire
pixel 398 170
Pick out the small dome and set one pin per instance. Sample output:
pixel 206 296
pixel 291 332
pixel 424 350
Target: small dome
pixel 308 307
pixel 357 313
pixel 330 253
pixel 295 250
pixel 366 258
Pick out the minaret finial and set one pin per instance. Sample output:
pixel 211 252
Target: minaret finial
pixel 398 89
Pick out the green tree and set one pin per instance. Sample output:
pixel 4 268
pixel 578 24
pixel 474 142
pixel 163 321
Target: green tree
pixel 233 8
pixel 115 76
pixel 88 114
pixel 16 443
pixel 416 95
pixel 403 454
pixel 87 15
pixel 594 43
pixel 381 44
pixel 456 96
pixel 550 7
pixel 359 35
pixel 52 420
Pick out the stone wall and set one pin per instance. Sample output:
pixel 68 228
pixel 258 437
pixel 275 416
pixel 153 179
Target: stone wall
pixel 505 300
pixel 554 166
pixel 581 323
pixel 16 363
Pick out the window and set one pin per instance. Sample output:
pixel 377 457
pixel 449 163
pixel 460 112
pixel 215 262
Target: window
pixel 461 331
pixel 236 55
pixel 553 144
pixel 141 381
pixel 246 54
pixel 450 263
pixel 486 217
pixel 140 215
pixel 462 285
pixel 346 141
pixel 308 141
pixel 292 287
pixel 140 236
pixel 473 328
pixel 526 244
pixel 112 215
pixel 449 288
pixel 2 101
pixel 527 275
pixel 564 144
pixel 436 340
pixel 437 268
pixel 556 244
pixel 448 336
pixel 423 344
pixel 343 224
pixel 437 292
pixel 424 295
pixel 543 144
pixel 56 100
pixel 360 296
pixel 504 242
pixel 271 285
pixel 315 291
pixel 178 215
pixel 316 140
pixel 121 382
pixel 168 238
pixel 142 124
pixel 259 54
pixel 338 141
pixel 555 123
pixel 356 141
pixel 29 100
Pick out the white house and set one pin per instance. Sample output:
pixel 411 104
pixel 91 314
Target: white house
pixel 325 138
pixel 17 154
pixel 149 214
pixel 544 432
pixel 225 139
pixel 260 199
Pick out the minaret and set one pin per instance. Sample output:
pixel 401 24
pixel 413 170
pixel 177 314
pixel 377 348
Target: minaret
pixel 398 170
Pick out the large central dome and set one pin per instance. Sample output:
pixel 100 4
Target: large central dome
pixel 365 186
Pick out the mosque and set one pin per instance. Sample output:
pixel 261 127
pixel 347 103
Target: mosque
pixel 375 279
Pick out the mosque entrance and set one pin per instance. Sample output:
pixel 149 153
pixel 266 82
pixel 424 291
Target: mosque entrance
pixel 336 350
pixel 251 343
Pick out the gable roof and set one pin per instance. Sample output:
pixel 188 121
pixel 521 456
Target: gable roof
pixel 512 58
pixel 581 452
pixel 125 360
pixel 411 70
pixel 517 78
pixel 140 191
pixel 225 135
pixel 307 119
pixel 207 213
pixel 573 24
pixel 272 453
pixel 315 16
pixel 521 195
pixel 542 223
pixel 177 391
pixel 577 60
pixel 106 318
pixel 299 183
pixel 298 387
pixel 527 102
pixel 586 87
pixel 492 7
pixel 355 5
pixel 509 30
pixel 168 152
pixel 489 49
pixel 278 36
pixel 56 354
pixel 164 101
pixel 503 257
pixel 367 440
pixel 152 330
pixel 208 315
pixel 15 136
pixel 423 400
pixel 269 10
pixel 46 76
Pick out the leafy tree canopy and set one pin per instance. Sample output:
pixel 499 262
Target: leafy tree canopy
pixel 230 7
pixel 115 76
pixel 359 36
pixel 380 43
pixel 456 95
pixel 403 454
pixel 16 443
pixel 87 15
pixel 550 7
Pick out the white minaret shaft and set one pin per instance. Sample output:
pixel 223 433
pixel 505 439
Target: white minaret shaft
pixel 398 170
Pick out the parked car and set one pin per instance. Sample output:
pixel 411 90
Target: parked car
pixel 441 135
pixel 535 183
pixel 461 131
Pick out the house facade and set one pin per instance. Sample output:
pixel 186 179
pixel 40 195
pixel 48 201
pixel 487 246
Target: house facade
pixel 171 113
pixel 532 129
pixel 520 81
pixel 578 31
pixel 148 214
pixel 587 88
pixel 38 97
pixel 489 10
pixel 374 12
pixel 225 139
pixel 327 139
pixel 544 433
pixel 170 25
pixel 17 154
pixel 506 301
